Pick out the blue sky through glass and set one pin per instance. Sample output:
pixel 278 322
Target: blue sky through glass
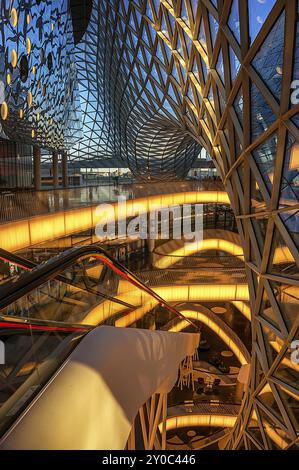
pixel 258 11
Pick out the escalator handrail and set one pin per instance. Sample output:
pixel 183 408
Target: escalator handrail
pixel 27 264
pixel 39 274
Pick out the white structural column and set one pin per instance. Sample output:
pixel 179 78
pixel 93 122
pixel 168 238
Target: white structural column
pixel 149 420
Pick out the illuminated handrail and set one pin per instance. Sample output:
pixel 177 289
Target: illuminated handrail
pixel 29 265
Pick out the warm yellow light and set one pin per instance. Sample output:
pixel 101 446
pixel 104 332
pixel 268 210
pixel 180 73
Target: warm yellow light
pixel 294 158
pixel 15 234
pixel 281 254
pixel 270 430
pixel 243 308
pixel 196 247
pixel 285 361
pixel 144 303
pixel 232 345
pixel 33 133
pixel 37 116
pixel 126 293
pixel 201 420
pixel 84 218
pixel 134 316
pixel 8 79
pixel 4 110
pixel 34 70
pixel 14 58
pixel 203 292
pixel 274 436
pixel 29 98
pixel 28 45
pixel 14 17
pixel 28 19
pixel 21 113
pixel 181 325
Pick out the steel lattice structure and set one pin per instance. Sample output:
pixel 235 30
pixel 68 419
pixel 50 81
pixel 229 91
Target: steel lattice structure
pixel 160 75
pixel 124 87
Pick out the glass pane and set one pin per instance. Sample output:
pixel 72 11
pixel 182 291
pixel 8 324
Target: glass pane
pixel 282 261
pixel 32 355
pixel 259 228
pixel 291 221
pixel 258 11
pixel 276 436
pixel 214 26
pixel 268 62
pixel 288 369
pixel 270 341
pixel 234 21
pixel 10 272
pixel 267 398
pixel 290 179
pixel 268 314
pixel 256 435
pixel 288 300
pixel 93 291
pixel 257 200
pixel 262 115
pixel 238 106
pixel 202 36
pixel 184 14
pixel 291 403
pixel 265 156
pixel 294 95
pixel 219 66
pixel 234 64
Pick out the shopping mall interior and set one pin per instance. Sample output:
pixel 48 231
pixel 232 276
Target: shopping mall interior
pixel 149 225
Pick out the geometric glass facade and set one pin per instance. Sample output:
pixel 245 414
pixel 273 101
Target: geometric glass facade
pixel 158 80
pixel 222 73
pixel 38 87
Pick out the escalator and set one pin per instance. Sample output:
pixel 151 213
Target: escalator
pixel 46 310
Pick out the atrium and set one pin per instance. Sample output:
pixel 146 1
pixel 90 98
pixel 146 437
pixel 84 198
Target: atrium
pixel 149 225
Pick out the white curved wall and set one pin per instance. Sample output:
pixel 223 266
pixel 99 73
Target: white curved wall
pixel 93 399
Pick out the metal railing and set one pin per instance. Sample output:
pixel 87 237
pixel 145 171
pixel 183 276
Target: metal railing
pixel 21 204
pixel 18 205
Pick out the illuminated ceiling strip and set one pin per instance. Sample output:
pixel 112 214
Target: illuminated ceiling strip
pixel 23 233
pixel 281 255
pixel 200 420
pixel 243 308
pixel 195 247
pixel 203 318
pixel 203 292
pixel 221 421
